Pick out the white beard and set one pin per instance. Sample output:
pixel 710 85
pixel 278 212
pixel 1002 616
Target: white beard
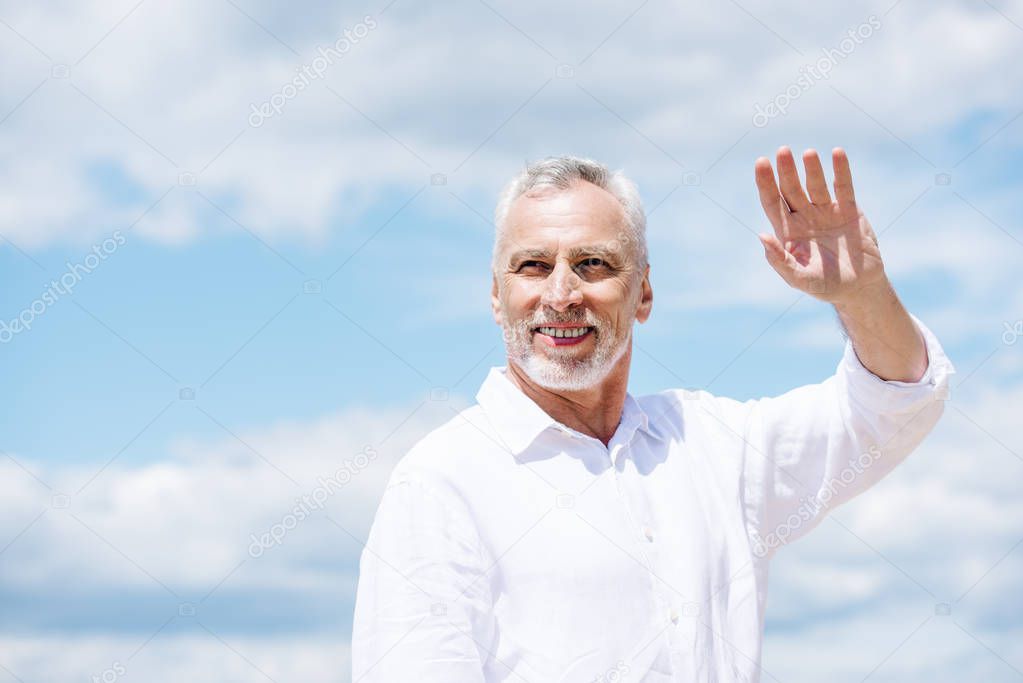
pixel 557 370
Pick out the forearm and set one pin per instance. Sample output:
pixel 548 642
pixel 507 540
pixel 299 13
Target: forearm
pixel 884 336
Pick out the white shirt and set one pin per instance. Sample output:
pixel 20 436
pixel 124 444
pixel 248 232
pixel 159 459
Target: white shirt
pixel 509 547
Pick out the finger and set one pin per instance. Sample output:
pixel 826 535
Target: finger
pixel 815 181
pixel 791 190
pixel 770 198
pixel 843 177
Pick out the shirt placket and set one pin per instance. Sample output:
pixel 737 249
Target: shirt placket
pixel 668 616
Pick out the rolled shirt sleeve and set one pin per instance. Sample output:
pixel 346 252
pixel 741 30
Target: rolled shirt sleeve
pixel 818 446
pixel 423 604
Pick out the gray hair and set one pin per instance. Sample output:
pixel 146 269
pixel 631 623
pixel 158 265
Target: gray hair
pixel 560 173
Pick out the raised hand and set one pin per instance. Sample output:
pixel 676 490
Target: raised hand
pixel 820 246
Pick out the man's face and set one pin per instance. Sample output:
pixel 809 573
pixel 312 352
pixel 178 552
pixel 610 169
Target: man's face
pixel 568 286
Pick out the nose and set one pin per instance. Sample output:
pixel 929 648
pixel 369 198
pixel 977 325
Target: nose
pixel 561 290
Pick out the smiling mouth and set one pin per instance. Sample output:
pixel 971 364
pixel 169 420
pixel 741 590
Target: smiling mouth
pixel 563 336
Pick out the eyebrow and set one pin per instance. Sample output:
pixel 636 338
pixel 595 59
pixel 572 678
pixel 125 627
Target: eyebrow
pixel 573 253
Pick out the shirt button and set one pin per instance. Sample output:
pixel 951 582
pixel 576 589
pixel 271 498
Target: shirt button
pixel 649 533
pixel 674 615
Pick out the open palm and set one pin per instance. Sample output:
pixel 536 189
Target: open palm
pixel 820 246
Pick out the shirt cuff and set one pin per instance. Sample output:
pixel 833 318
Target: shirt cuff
pixel 935 379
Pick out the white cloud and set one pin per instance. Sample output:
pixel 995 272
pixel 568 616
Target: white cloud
pixel 441 82
pixel 187 519
pixel 942 528
pixel 938 529
pixel 183 78
pixel 170 657
pixel 892 645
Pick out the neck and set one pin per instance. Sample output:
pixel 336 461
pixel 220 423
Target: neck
pixel 594 411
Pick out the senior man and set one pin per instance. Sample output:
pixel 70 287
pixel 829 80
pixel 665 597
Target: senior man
pixel 562 529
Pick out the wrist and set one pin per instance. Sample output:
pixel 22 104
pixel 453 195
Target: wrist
pixel 866 297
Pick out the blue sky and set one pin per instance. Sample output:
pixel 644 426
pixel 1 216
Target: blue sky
pixel 317 287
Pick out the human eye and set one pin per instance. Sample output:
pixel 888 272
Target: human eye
pixel 532 267
pixel 594 263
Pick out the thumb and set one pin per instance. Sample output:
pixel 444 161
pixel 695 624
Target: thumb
pixel 781 260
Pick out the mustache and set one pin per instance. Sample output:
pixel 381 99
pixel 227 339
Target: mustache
pixel 586 319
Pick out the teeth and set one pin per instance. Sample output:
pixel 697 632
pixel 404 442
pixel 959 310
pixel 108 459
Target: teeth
pixel 570 332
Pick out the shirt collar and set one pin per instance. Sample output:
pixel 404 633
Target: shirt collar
pixel 518 420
